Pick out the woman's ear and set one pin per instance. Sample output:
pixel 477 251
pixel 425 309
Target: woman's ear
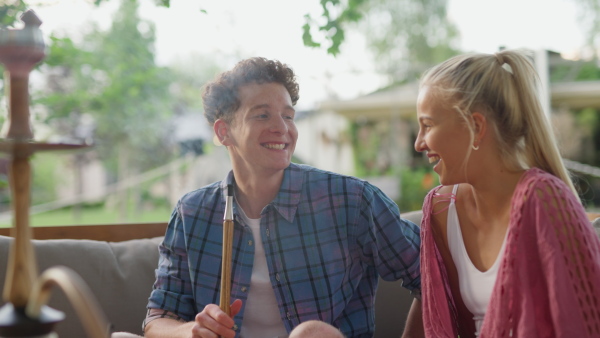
pixel 479 127
pixel 221 129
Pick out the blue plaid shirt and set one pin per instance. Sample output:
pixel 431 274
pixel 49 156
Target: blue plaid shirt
pixel 327 239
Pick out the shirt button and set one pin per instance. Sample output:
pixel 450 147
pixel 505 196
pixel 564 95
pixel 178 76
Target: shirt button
pixel 250 242
pixel 267 232
pixel 289 316
pixel 244 289
pixel 235 327
pixel 277 277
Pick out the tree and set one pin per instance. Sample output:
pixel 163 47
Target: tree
pixel 417 27
pixel 112 78
pixel 9 12
pixel 334 26
pixel 338 15
pixel 589 13
pixel 191 72
pixel 407 37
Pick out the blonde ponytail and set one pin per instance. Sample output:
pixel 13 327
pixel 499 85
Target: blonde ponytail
pixel 541 148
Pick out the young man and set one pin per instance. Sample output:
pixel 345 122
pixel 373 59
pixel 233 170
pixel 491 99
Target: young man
pixel 307 244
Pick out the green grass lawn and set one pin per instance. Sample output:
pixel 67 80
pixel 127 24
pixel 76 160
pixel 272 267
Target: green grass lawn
pixel 95 215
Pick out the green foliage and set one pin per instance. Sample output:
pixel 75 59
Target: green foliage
pixel 191 74
pixel 575 70
pixel 589 18
pixel 9 16
pixel 151 202
pixel 307 37
pixel 10 11
pixel 373 143
pixel 164 3
pixel 588 119
pixel 112 78
pixel 406 26
pixel 45 167
pixel 5 195
pixel 589 71
pixel 407 36
pixel 69 91
pixel 414 186
pixel 337 16
pixel 364 149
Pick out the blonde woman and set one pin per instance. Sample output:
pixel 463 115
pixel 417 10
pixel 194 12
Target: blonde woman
pixel 507 249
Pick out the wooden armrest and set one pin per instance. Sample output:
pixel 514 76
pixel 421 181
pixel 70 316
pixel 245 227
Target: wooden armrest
pixel 101 232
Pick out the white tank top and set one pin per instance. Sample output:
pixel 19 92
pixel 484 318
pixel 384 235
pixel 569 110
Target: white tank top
pixel 475 286
pixel 261 315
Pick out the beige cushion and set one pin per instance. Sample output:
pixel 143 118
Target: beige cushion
pixel 413 216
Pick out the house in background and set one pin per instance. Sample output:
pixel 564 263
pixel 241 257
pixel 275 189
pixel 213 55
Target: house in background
pixel 191 131
pixel 382 126
pixel 323 141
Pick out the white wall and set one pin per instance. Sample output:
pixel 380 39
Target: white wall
pixel 324 142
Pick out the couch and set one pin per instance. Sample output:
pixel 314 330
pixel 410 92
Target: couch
pixel 120 275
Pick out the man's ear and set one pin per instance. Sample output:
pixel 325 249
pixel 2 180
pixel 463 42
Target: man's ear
pixel 479 126
pixel 221 129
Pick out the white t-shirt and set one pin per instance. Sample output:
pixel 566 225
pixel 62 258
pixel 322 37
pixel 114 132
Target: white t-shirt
pixel 262 318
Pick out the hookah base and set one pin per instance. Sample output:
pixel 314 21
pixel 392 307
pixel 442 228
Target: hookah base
pixel 14 322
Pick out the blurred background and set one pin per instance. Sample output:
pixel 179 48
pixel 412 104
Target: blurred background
pixel 125 76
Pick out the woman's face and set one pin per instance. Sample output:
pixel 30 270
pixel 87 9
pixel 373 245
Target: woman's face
pixel 444 136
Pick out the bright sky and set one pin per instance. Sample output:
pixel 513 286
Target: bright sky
pixel 235 29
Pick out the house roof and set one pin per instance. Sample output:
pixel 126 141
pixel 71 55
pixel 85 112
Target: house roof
pixel 576 95
pixel 402 100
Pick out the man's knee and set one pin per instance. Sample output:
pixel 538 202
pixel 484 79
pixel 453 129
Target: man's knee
pixel 315 328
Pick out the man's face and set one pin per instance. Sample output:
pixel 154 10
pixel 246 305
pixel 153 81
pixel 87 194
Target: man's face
pixel 262 136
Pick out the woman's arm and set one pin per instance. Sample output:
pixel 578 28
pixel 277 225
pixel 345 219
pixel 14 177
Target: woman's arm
pixel 414 321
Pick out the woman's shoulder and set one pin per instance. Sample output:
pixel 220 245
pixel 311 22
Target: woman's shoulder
pixel 540 192
pixel 437 202
pixel 444 194
pixel 537 183
pixel 443 189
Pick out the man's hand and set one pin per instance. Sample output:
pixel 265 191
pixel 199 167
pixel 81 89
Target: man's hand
pixel 212 322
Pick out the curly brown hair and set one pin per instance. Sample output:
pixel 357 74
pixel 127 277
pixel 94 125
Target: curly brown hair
pixel 221 98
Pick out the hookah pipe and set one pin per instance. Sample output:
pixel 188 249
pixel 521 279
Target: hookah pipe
pixel 24 314
pixel 225 299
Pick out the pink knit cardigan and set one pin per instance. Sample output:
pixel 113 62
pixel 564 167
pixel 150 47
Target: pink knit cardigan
pixel 548 283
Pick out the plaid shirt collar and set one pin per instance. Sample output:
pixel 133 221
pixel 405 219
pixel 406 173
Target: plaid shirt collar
pixel 286 201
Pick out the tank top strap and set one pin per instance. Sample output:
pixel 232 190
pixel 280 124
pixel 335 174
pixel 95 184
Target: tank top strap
pixel 453 195
pixel 443 198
